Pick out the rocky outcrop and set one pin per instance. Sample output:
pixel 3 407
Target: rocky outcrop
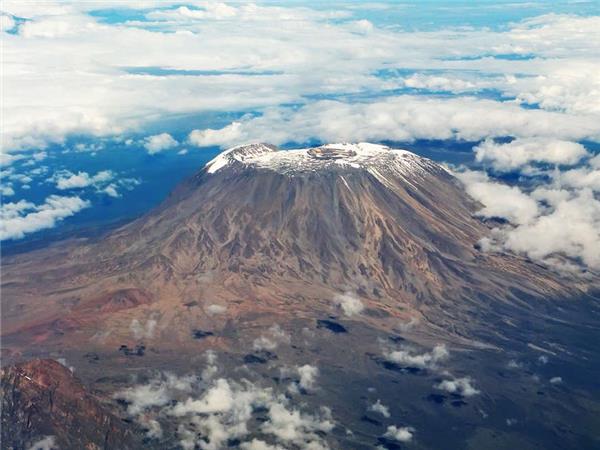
pixel 43 402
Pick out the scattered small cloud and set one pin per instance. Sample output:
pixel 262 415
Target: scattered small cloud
pixel 556 380
pixel 46 443
pixel 462 386
pixel 271 340
pixel 409 357
pixel 215 309
pixel 349 303
pixel 407 326
pixel 521 152
pixel 159 142
pixel 380 408
pixel 143 330
pixel 66 180
pixel 499 200
pixel 211 412
pixel 22 217
pixel 514 364
pixel 400 434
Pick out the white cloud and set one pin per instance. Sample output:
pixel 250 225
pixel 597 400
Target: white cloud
pixel 380 408
pixel 332 57
pixel 349 302
pixel 159 142
pixel 400 118
pixel 291 426
pixel 210 412
pixel 221 137
pixel 499 200
pixel 111 191
pixel 158 392
pixel 6 190
pixel 520 152
pixel 46 443
pixel 407 326
pixel 462 386
pixel 215 309
pixel 143 330
pixel 274 336
pixel 6 159
pixel 556 380
pixel 308 376
pixel 68 180
pixel 408 357
pixel 572 228
pixel 552 221
pixel 400 434
pixel 580 178
pixel 21 218
pixel 257 444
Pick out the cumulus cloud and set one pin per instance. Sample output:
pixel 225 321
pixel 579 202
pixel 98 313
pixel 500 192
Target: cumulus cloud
pixel 143 330
pixel 220 137
pixel 67 180
pixel 308 377
pixel 215 309
pixel 569 227
pixel 407 326
pixel 158 392
pixel 349 302
pixel 271 340
pixel 462 386
pixel 6 190
pixel 380 408
pixel 521 152
pixel 210 412
pixel 572 229
pixel 556 219
pixel 400 118
pixel 400 434
pixel 46 443
pixel 499 200
pixel 556 380
pixel 22 217
pixel 104 97
pixel 257 444
pixel 409 357
pixel 159 142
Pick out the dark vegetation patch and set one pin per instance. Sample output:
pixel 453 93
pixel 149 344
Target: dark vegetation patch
pixel 378 313
pixel 139 350
pixel 261 357
pixel 388 444
pixel 394 367
pixel 436 398
pixel 331 325
pixel 370 420
pixel 201 334
pixel 92 357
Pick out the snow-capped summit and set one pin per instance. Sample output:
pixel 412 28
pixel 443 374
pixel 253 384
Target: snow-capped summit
pixel 363 155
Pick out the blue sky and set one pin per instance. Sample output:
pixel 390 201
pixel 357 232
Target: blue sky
pixel 109 104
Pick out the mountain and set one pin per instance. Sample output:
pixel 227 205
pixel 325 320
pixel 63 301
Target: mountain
pixel 262 232
pixel 321 298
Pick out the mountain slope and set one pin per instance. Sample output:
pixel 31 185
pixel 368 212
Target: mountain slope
pixel 262 232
